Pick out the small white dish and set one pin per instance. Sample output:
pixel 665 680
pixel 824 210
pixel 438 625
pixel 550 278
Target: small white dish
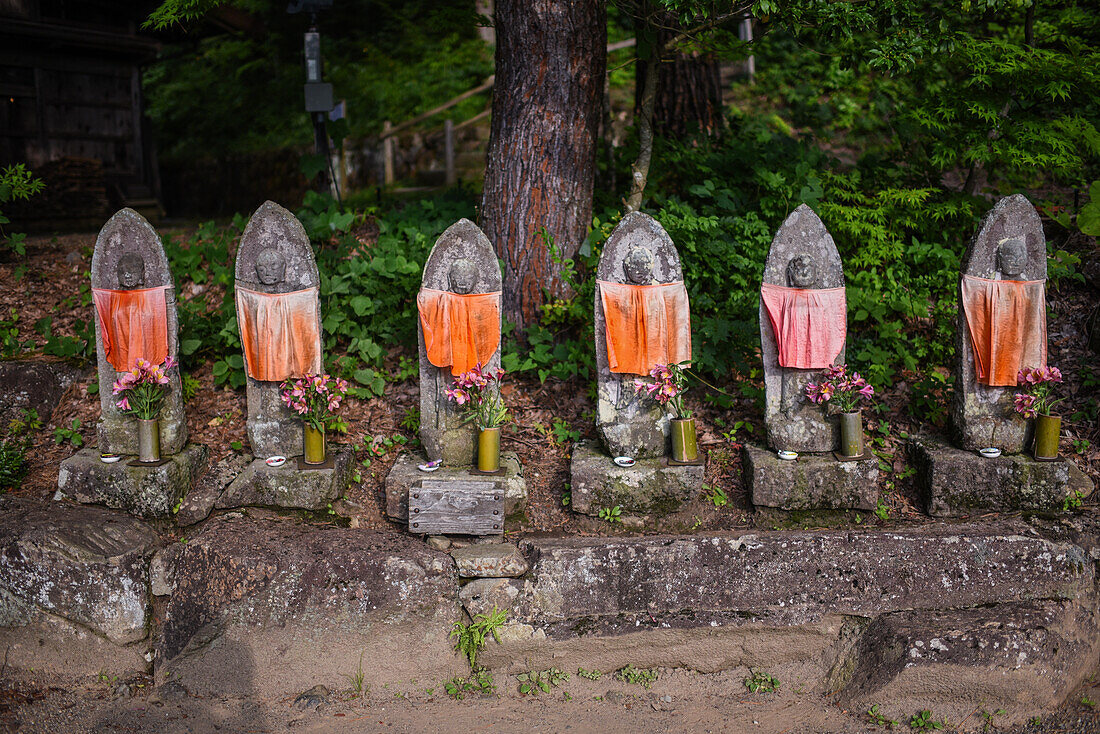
pixel 990 453
pixel 624 461
pixel 430 466
pixel 787 455
pixel 275 460
pixel 109 458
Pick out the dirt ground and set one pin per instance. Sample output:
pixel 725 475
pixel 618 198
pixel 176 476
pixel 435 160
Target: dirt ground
pixel 56 268
pixel 679 701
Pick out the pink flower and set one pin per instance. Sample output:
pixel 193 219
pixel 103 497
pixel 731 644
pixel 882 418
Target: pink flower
pixel 866 391
pixel 169 363
pixel 123 404
pixel 458 395
pixel 334 403
pixel 1025 405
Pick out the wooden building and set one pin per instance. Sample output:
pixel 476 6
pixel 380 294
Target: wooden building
pixel 71 107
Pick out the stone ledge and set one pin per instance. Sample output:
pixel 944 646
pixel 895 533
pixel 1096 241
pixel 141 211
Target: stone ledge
pixel 616 586
pixel 260 485
pixel 650 487
pixel 1022 657
pixel 145 492
pixel 812 482
pixel 404 473
pixel 954 482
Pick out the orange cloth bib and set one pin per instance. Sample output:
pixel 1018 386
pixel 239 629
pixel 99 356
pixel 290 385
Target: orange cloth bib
pixel 809 324
pixel 133 325
pixel 646 325
pixel 460 331
pixel 279 333
pixel 1007 321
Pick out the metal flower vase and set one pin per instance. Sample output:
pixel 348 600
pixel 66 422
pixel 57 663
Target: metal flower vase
pixel 685 443
pixel 314 444
pixel 488 449
pixel 851 434
pixel 1047 430
pixel 148 440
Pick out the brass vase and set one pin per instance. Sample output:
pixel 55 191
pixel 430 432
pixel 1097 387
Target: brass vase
pixel 1047 429
pixel 488 449
pixel 148 440
pixel 685 445
pixel 851 434
pixel 314 444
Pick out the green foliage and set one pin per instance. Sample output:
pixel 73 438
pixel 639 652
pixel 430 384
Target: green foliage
pixel 479 681
pixel 589 674
pixel 71 434
pixel 644 677
pixel 716 495
pixel 880 719
pixel 923 721
pixel 761 682
pixel 390 60
pixel 16 183
pixel 611 514
pixel 470 638
pixel 531 682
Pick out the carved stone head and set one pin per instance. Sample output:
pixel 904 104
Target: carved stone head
pixel 1011 257
pixel 801 271
pixel 638 266
pixel 131 271
pixel 270 266
pixel 462 276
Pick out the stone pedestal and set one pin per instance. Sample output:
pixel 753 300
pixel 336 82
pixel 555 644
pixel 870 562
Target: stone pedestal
pixel 143 491
pixel 287 485
pixel 811 482
pixel 955 481
pixel 404 473
pixel 650 487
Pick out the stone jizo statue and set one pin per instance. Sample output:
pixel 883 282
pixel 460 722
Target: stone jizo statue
pixel 459 328
pixel 803 327
pixel 135 308
pixel 1002 325
pixel 642 319
pixel 279 317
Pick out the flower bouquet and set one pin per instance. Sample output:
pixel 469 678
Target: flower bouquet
pixel 477 393
pixel 667 387
pixel 316 398
pixel 844 392
pixel 142 392
pixel 1036 401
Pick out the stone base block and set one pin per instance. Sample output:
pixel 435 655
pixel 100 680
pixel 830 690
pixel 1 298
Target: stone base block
pixel 1022 657
pixel 286 606
pixel 650 487
pixel 404 473
pixel 143 491
pixel 74 584
pixel 955 482
pixel 812 482
pixel 287 486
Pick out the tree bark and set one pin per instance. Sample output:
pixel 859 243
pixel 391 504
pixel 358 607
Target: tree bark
pixel 689 88
pixel 550 62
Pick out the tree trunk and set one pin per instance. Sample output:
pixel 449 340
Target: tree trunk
pixel 689 88
pixel 550 62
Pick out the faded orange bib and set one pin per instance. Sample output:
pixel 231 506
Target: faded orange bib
pixel 809 324
pixel 646 325
pixel 133 325
pixel 1007 321
pixel 460 330
pixel 279 333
